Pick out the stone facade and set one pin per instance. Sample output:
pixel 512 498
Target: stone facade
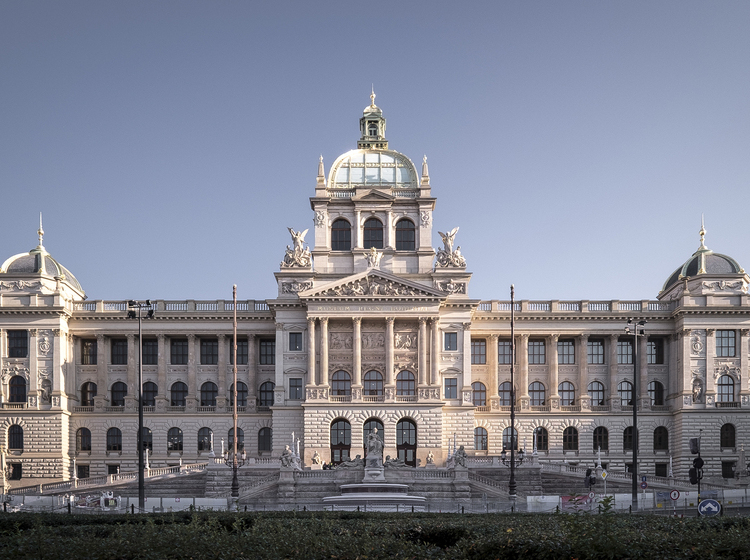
pixel 372 325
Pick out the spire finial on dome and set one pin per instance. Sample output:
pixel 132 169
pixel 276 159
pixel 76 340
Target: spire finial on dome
pixel 425 170
pixel 372 96
pixel 702 234
pixel 321 170
pixel 40 231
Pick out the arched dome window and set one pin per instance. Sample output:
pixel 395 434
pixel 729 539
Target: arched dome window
pixel 405 235
pixel 341 235
pixel 373 234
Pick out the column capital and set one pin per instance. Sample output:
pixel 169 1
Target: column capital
pixel 357 320
pixel 614 337
pixel 161 337
pixel 423 320
pixel 710 332
pixel 494 337
pixel 311 321
pixel 435 321
pixel 191 337
pixel 323 321
pixel 99 337
pixel 744 332
pixel 524 337
pixel 466 326
pixel 279 326
pixel 390 320
pixel 57 332
pixel 222 336
pixel 554 337
pixel 583 337
pixel 130 337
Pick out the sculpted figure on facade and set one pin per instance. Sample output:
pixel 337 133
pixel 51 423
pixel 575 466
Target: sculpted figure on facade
pixel 447 256
pixel 405 341
pixel 395 463
pixel 460 457
pixel 295 287
pixel 697 391
pixel 299 255
pixel 373 257
pixel 372 287
pixel 374 448
pixel 316 458
pixel 340 341
pixel 355 463
pixel 287 457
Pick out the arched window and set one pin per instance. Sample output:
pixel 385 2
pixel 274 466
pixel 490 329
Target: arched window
pixel 209 392
pixel 174 439
pixel 341 235
pixel 88 392
pixel 480 439
pixel 537 393
pixel 567 393
pixel 372 129
pixel 601 438
pixel 479 394
pixel 661 439
pixel 570 439
pixel 406 441
pixel 727 436
pixel 341 441
pixel 405 384
pixel 542 439
pixel 15 437
pixel 373 234
pixel 596 392
pixel 341 384
pixel 265 440
pixel 240 439
pixel 119 391
pixel 17 387
pixel 204 439
pixel 509 441
pixel 725 389
pixel 405 235
pixel 656 393
pixel 83 440
pixel 114 439
pixel 627 439
pixel 625 391
pixel 505 393
pixel 178 394
pixel 369 426
pixel 147 439
pixel 265 395
pixel 150 390
pixel 241 394
pixel 373 384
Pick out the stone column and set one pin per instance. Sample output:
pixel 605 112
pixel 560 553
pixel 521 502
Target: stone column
pixel 614 397
pixel 422 345
pixel 357 350
pixel 324 351
pixel 743 355
pixel 389 351
pixel 710 357
pixel 492 351
pixel 223 398
pixel 435 354
pixel 310 351
pixel 388 241
pixel 252 369
pixel 32 393
pixel 161 369
pixel 582 355
pixel 131 400
pixel 102 381
pixel 3 355
pixel 279 393
pixel 357 230
pixel 193 394
pixel 523 367
pixel 553 370
pixel 57 375
pixel 643 372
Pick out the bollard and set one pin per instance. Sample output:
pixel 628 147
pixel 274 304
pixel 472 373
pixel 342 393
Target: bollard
pixel 304 508
pixel 245 509
pixel 412 509
pixel 462 509
pixel 132 509
pixel 69 509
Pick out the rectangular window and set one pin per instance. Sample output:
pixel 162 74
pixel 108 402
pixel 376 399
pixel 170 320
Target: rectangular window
pixel 178 354
pixel 15 471
pixel 566 352
pixel 119 352
pixel 655 349
pixel 595 351
pixel 83 471
pixel 113 469
pixel 537 352
pixel 451 388
pixel 478 351
pixel 503 352
pixel 150 352
pixel 88 352
pixel 18 344
pixel 241 352
pixel 660 469
pixel 624 351
pixel 450 342
pixel 209 351
pixel 727 469
pixel 295 341
pixel 267 355
pixel 295 389
pixel 725 343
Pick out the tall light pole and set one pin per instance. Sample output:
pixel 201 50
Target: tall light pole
pixel 512 481
pixel 637 330
pixel 236 461
pixel 133 314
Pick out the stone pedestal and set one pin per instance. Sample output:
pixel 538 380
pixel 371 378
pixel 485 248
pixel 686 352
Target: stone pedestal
pixel 374 474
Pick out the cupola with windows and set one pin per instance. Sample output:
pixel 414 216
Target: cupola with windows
pixel 712 268
pixel 19 271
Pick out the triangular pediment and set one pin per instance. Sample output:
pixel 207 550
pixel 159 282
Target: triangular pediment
pixel 374 195
pixel 372 284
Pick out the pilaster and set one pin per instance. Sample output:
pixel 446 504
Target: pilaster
pixel 324 351
pixel 583 370
pixel 710 359
pixel 614 397
pixel 310 352
pixel 162 399
pixel 523 371
pixel 389 352
pixel 422 345
pixel 554 396
pixel 357 350
pixel 435 354
pixel 466 369
pixel 192 399
pixel 221 399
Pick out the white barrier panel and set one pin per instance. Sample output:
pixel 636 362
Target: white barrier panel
pixel 542 504
pixel 734 497
pixel 216 504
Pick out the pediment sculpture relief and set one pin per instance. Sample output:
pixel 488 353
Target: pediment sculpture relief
pixel 372 286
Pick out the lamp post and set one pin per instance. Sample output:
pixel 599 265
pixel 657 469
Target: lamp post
pixel 135 309
pixel 235 460
pixel 513 462
pixel 637 330
pixel 513 439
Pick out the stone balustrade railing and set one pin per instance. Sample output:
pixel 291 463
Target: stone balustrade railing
pixel 170 306
pixel 583 306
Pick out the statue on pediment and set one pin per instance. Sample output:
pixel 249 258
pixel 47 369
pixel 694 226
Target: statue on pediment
pixel 448 256
pixel 298 255
pixel 373 257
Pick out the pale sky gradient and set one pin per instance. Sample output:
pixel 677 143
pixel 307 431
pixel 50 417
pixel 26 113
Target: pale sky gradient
pixel 576 144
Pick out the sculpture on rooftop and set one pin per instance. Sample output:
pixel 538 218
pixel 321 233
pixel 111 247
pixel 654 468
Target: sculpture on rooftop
pixel 448 256
pixel 298 255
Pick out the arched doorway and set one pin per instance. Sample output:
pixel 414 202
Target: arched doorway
pixel 406 442
pixel 341 441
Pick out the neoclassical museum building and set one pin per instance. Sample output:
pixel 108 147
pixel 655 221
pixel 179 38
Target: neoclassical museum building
pixel 372 328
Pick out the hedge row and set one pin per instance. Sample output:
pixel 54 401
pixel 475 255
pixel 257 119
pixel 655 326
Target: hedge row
pixel 321 535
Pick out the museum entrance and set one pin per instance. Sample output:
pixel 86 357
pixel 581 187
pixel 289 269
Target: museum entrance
pixel 406 442
pixel 341 441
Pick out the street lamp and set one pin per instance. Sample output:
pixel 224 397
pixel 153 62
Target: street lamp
pixel 512 463
pixel 636 330
pixel 512 480
pixel 232 457
pixel 135 309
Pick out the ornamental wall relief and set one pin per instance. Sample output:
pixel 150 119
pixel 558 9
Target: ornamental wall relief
pixel 13 370
pixel 697 343
pixel 295 287
pixel 20 285
pixel 44 342
pixel 722 285
pixel 372 286
pixel 320 218
pixel 450 286
pixel 405 341
pixel 371 341
pixel 340 341
pixel 727 369
pixel 425 218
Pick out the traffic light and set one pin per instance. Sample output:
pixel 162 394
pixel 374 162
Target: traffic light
pixel 698 463
pixel 695 445
pixel 693 475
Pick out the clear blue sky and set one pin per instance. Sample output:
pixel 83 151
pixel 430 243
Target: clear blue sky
pixel 576 144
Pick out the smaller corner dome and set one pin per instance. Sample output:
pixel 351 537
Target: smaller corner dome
pixel 704 261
